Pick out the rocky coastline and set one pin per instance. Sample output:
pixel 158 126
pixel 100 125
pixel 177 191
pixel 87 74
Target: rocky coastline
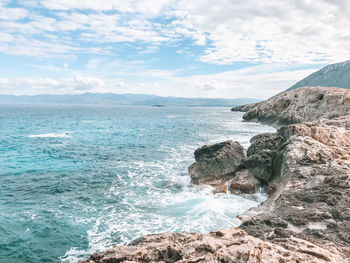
pixel 305 167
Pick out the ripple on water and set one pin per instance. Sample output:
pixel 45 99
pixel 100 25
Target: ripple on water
pixel 88 177
pixel 50 135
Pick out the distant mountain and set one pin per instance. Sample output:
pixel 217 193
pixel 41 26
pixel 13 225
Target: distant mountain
pixel 122 99
pixel 335 75
pixel 204 102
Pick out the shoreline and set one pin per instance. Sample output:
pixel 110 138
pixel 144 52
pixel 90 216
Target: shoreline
pixel 305 164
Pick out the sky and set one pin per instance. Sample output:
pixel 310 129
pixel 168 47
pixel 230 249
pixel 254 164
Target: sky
pixel 188 48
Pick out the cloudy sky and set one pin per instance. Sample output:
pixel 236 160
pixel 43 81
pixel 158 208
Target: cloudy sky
pixel 191 48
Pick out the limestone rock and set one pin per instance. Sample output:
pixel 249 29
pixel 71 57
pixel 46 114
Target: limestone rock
pixel 306 165
pixel 244 182
pixel 216 163
pixel 310 195
pixel 302 105
pixel 245 108
pixel 261 153
pixel 232 245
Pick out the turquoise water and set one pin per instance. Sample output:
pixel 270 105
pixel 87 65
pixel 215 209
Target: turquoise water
pixel 75 179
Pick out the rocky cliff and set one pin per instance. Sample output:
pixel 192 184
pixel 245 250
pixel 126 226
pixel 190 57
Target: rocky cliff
pixel 300 105
pixel 306 167
pixel 245 107
pixel 309 187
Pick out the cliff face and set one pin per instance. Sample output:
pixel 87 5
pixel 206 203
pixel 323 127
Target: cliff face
pixel 301 105
pixel 309 189
pixel 306 218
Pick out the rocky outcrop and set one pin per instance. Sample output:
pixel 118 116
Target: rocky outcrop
pixel 216 163
pixel 306 218
pixel 245 107
pixel 222 165
pixel 309 195
pixel 302 105
pixel 261 153
pixel 232 245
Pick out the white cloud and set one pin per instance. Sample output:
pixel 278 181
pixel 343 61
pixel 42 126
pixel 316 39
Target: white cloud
pixel 289 34
pixel 282 31
pixel 286 31
pixel 6 37
pixel 32 86
pixel 34 47
pixel 146 7
pixel 258 82
pixel 12 13
pixel 88 84
pixel 91 28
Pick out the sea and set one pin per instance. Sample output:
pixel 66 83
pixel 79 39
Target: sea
pixel 75 180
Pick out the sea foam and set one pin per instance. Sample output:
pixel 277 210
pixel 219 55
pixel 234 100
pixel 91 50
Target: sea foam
pixel 121 176
pixel 50 135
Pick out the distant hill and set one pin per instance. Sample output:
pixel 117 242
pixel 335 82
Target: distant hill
pixel 334 75
pixel 123 99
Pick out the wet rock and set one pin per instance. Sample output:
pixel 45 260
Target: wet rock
pixel 216 163
pixel 261 153
pixel 244 182
pixel 306 166
pixel 305 219
pixel 220 189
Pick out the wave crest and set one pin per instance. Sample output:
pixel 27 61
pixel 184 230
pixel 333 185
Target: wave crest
pixel 50 135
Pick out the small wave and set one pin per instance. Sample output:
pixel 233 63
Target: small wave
pixel 50 135
pixel 172 116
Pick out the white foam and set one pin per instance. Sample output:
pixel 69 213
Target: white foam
pixel 157 196
pixel 172 116
pixel 50 135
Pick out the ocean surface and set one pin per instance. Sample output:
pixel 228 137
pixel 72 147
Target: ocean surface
pixel 75 180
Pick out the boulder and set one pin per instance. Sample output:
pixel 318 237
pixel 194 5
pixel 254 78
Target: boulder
pixel 244 182
pixel 216 163
pixel 260 155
